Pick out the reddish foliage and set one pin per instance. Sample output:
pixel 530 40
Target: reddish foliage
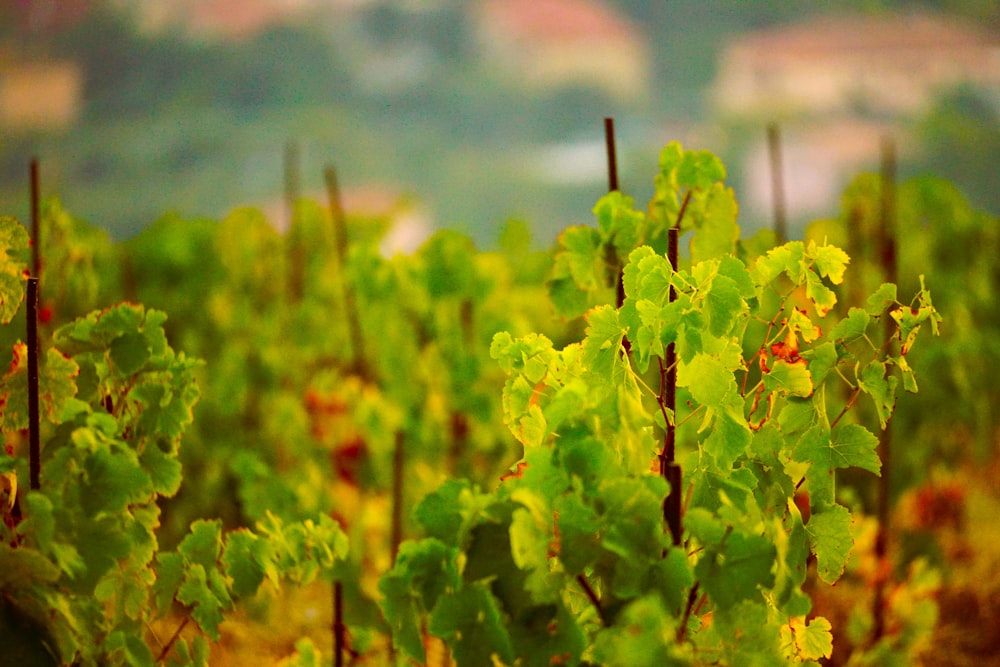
pixel 555 546
pixel 940 506
pixel 802 502
pixel 518 472
pixel 348 459
pixel 764 368
pixel 784 351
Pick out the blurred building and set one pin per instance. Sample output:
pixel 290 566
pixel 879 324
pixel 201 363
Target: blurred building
pixel 39 95
pixel 854 65
pixel 839 86
pixel 549 44
pixel 232 19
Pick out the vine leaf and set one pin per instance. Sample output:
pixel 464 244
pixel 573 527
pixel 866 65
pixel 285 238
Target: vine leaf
pixel 423 572
pixel 851 327
pixel 708 379
pixel 735 571
pixel 245 559
pixel 830 539
pixel 809 641
pixel 14 241
pixel 602 346
pixel 875 382
pixel 469 620
pixel 881 299
pixel 792 379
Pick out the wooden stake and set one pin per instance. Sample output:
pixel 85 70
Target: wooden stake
pixel 34 420
pixel 36 223
pixel 887 252
pixel 609 142
pixel 777 183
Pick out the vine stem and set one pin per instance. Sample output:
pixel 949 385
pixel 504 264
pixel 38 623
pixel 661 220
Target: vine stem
pixel 692 598
pixel 592 596
pixel 350 303
pixel 338 624
pixel 34 420
pixel 173 640
pixel 398 461
pixel 614 261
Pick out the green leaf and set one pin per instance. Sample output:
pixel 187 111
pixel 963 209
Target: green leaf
pixel 852 445
pixel 881 386
pixel 823 297
pixel 583 256
pixel 813 640
pixel 447 512
pixel 830 539
pixel 788 259
pixel 128 649
pixel 602 346
pixel 730 436
pixel 881 299
pixel 822 359
pixel 619 222
pixel 206 606
pixel 797 416
pixel 633 514
pixel 738 570
pixel 56 386
pixel 470 622
pixel 22 568
pixel 548 634
pixel 830 261
pixel 114 480
pixel 169 576
pixel 450 268
pixel 732 268
pixel 246 558
pixel 708 380
pixel 580 532
pixel 423 572
pixel 716 232
pixel 851 327
pixel 792 379
pixel 202 544
pixel 723 305
pixel 644 635
pixel 13 244
pixel 163 467
pixel 849 445
pixel 129 353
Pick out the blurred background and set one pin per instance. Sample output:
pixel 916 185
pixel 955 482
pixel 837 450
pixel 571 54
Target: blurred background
pixel 465 113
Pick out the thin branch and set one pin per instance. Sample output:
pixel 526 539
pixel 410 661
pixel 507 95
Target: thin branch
pixel 692 598
pixel 338 624
pixel 398 462
pixel 592 596
pixel 173 639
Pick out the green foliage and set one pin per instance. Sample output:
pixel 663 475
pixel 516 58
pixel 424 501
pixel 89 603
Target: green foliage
pixel 574 540
pixel 331 375
pixel 116 401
